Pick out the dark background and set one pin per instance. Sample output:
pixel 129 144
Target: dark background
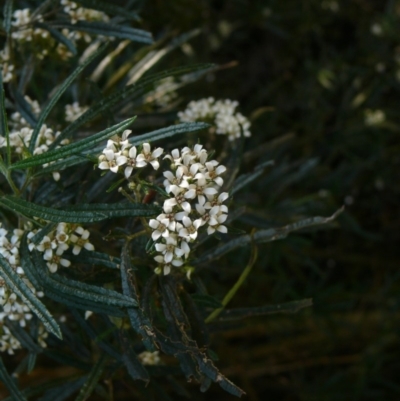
pixel 311 72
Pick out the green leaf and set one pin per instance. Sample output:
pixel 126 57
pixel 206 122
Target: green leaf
pixel 242 313
pixel 112 9
pixel 72 301
pixel 92 379
pixel 3 120
pixel 107 29
pixel 7 12
pixel 139 321
pixel 59 37
pixel 79 214
pixel 77 290
pixel 10 383
pixel 73 148
pixel 96 259
pixel 270 234
pixel 56 96
pixel 128 93
pixel 17 285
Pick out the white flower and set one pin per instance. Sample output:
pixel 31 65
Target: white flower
pixel 213 173
pixel 82 241
pixel 175 157
pixel 147 156
pixel 189 231
pixel 74 111
pixel 200 190
pixel 108 160
pixel 178 200
pixel 170 249
pixel 172 180
pixel 216 202
pixel 129 160
pixel 46 245
pixel 160 227
pixel 215 223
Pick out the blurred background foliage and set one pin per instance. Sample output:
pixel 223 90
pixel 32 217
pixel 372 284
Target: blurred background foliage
pixel 321 81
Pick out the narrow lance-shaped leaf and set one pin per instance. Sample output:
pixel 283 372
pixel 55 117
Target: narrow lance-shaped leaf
pixel 140 323
pixel 80 214
pixel 46 111
pixel 17 285
pixel 7 12
pixel 107 29
pixel 79 290
pixel 138 89
pixel 10 383
pixel 92 379
pixel 270 234
pixel 96 258
pixel 73 148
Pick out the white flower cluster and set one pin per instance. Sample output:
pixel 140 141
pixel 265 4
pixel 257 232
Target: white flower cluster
pixel 120 152
pixel 73 111
pixel 7 69
pixel 78 13
pixel 24 31
pixel 52 246
pixel 21 134
pixel 193 185
pixel 58 241
pixel 221 113
pixel 12 307
pixel 22 22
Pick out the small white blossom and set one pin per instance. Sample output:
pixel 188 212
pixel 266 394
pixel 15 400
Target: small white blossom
pixel 189 231
pixel 108 161
pixel 147 156
pixel 160 227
